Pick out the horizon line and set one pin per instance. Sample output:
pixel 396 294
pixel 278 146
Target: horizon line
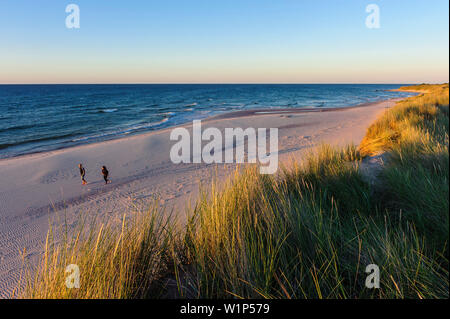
pixel 223 83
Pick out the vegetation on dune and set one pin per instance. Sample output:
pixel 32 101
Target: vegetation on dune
pixel 415 181
pixel 114 261
pixel 309 232
pixel 411 122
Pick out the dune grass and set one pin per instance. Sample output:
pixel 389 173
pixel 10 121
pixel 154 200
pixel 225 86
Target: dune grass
pixel 308 232
pixel 115 261
pixel 415 133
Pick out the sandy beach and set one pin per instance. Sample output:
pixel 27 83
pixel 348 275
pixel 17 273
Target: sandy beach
pixel 36 188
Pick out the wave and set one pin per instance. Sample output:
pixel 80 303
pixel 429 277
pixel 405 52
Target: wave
pixel 320 104
pixel 19 127
pixel 146 125
pixel 36 140
pixel 119 132
pixel 107 110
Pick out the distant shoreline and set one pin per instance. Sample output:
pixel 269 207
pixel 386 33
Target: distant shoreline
pixel 72 115
pixel 225 115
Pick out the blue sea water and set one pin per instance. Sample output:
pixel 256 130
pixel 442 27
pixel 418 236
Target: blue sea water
pixel 36 118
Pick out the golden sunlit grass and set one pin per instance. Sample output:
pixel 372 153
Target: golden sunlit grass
pixel 411 121
pixel 115 261
pixel 308 232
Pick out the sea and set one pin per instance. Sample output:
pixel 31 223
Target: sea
pixel 40 118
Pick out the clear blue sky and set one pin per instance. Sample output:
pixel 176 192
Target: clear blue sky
pixel 224 41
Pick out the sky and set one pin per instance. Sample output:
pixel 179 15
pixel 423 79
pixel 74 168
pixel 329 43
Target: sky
pixel 218 41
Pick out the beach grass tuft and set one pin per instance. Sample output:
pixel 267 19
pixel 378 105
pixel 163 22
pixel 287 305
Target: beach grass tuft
pixel 122 261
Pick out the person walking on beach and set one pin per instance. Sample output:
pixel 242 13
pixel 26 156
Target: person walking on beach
pixel 105 174
pixel 82 173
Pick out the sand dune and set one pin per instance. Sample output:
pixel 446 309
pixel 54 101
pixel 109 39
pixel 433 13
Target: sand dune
pixel 38 187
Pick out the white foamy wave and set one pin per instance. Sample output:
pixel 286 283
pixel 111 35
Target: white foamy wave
pixel 86 138
pixel 127 131
pixel 145 125
pixel 108 110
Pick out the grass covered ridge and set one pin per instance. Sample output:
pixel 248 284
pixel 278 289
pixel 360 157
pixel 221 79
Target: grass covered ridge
pixel 309 232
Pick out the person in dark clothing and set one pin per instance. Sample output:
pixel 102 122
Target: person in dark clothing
pixel 105 174
pixel 82 174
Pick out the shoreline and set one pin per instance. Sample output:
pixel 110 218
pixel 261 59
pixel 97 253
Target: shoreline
pixel 225 115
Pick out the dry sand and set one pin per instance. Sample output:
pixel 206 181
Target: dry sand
pixel 36 188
